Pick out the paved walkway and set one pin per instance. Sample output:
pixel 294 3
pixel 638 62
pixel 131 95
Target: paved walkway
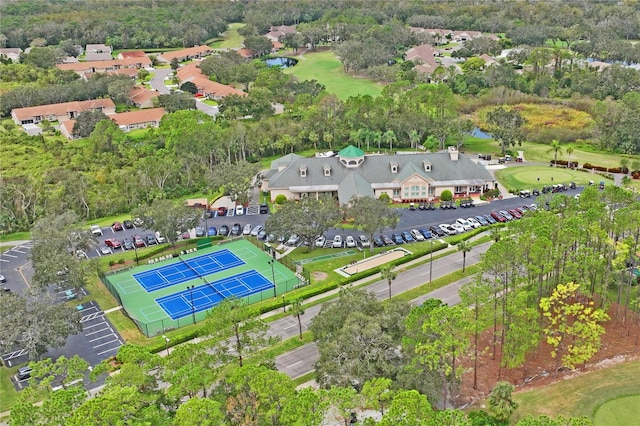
pixel 14 243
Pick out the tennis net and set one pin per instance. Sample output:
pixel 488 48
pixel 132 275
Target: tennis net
pixel 201 277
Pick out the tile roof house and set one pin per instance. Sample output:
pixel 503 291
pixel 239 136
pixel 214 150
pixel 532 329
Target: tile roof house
pixel 404 177
pixel 131 54
pixel 141 119
pixel 82 68
pixel 98 52
pixel 194 52
pixel 277 32
pixel 12 53
pixel 141 97
pixel 425 56
pixel 210 89
pixel 61 112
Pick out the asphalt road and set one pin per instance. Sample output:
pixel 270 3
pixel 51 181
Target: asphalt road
pixel 301 361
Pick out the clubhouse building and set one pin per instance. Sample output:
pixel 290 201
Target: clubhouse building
pixel 404 177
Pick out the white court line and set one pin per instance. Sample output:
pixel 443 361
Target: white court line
pixel 98 331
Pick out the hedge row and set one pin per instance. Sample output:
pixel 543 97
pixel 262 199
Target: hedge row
pixel 624 170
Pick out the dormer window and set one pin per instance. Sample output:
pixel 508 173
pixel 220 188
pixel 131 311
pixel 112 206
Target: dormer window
pixel 394 167
pixel 427 166
pixel 303 170
pixel 327 169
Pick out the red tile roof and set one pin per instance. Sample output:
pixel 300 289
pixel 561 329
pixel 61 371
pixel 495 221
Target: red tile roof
pixel 136 117
pixel 61 108
pixel 191 51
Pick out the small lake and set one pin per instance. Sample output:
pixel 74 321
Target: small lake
pixel 477 133
pixel 281 62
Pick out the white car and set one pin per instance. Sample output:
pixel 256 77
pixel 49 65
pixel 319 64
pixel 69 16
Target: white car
pixel 417 235
pixel 364 241
pixel 448 229
pixel 474 222
pixel 458 228
pixel 320 241
pixel 256 230
pixel 247 229
pixel 293 240
pixel 239 210
pixel 337 242
pixel 350 241
pixel 96 230
pixel 160 238
pixel 466 226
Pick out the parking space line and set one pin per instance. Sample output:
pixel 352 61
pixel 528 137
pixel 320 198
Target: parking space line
pixel 85 328
pixel 109 350
pixel 111 334
pixel 10 255
pixel 3 260
pixel 98 331
pixel 103 344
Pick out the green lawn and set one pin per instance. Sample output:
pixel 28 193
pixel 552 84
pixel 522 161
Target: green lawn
pixel 583 395
pixel 327 69
pixel 623 411
pixel 231 38
pixel 526 177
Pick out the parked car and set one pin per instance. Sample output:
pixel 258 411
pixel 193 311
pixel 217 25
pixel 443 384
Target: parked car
pixel 262 235
pixel 236 229
pixel 247 229
pixel 150 239
pixel 387 240
pixel 137 222
pixel 515 213
pixel 448 230
pixel 397 238
pixel 186 235
pixel 320 241
pixel 437 231
pixel 506 214
pixel 473 222
pixel 498 217
pixel 127 224
pixel 482 220
pixel 239 211
pixel 459 228
pixel 222 211
pixel 138 241
pixel 466 226
pixel 2 279
pixel 337 242
pixel 407 237
pixel 256 230
pixel 349 241
pixel 417 235
pixel 96 230
pixel 224 230
pixel 127 243
pixel 208 214
pixel 264 208
pixel 104 250
pixel 363 240
pixel 160 238
pixel 212 231
pixel 113 243
pixel 293 240
pixel 490 219
pixel 426 233
pixel 117 226
pixel 200 231
pixel 377 241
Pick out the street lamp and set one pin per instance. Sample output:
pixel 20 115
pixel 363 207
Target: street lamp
pixel 431 263
pixel 166 343
pixel 135 249
pixel 273 275
pixel 193 308
pixel 284 305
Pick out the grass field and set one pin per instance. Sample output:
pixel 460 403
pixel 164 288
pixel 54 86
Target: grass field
pixel 231 38
pixel 327 69
pixel 526 177
pixel 583 395
pixel 623 411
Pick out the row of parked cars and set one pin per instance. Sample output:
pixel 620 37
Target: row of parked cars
pixel 462 225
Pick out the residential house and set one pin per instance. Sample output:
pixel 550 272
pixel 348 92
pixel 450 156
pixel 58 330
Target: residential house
pixel 66 129
pixel 279 31
pixel 141 97
pixel 82 68
pixel 462 36
pixel 207 88
pixel 98 52
pixel 195 52
pixel 12 53
pixel 131 54
pixel 141 119
pixel 403 177
pixel 61 112
pixel 425 56
pixel 132 73
pixel 488 60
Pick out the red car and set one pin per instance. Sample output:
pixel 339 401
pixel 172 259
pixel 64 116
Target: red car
pixel 117 226
pixel 113 243
pixel 138 241
pixel 222 211
pixel 515 213
pixel 497 216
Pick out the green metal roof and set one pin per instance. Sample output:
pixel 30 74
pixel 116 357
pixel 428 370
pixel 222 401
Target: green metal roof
pixel 350 152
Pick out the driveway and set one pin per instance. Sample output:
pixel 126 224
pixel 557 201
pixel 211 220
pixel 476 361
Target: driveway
pixel 157 81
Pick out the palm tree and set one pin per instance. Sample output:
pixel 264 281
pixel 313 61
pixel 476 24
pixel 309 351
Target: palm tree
pixel 495 234
pixel 569 151
pixel 388 273
pixel 556 148
pixel 500 403
pixel 298 310
pixel 389 136
pixel 464 247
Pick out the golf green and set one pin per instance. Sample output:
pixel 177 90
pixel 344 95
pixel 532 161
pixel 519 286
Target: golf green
pixel 527 177
pixel 623 411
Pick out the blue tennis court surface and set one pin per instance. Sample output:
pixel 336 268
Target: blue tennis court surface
pixel 179 305
pixel 187 269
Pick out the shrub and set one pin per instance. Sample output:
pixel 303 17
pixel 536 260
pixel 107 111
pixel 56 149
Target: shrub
pixel 384 197
pixel 446 195
pixel 281 199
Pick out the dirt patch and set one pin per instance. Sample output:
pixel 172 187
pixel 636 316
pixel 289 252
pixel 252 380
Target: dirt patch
pixel 317 276
pixel 375 261
pixel 620 343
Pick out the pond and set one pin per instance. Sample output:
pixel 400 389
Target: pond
pixel 477 133
pixel 281 62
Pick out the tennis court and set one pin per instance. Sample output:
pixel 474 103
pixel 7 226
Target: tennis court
pixel 187 269
pixel 181 304
pixel 157 297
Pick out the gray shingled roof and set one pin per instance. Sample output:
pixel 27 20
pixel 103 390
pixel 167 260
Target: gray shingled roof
pixel 376 169
pixel 353 184
pixel 286 160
